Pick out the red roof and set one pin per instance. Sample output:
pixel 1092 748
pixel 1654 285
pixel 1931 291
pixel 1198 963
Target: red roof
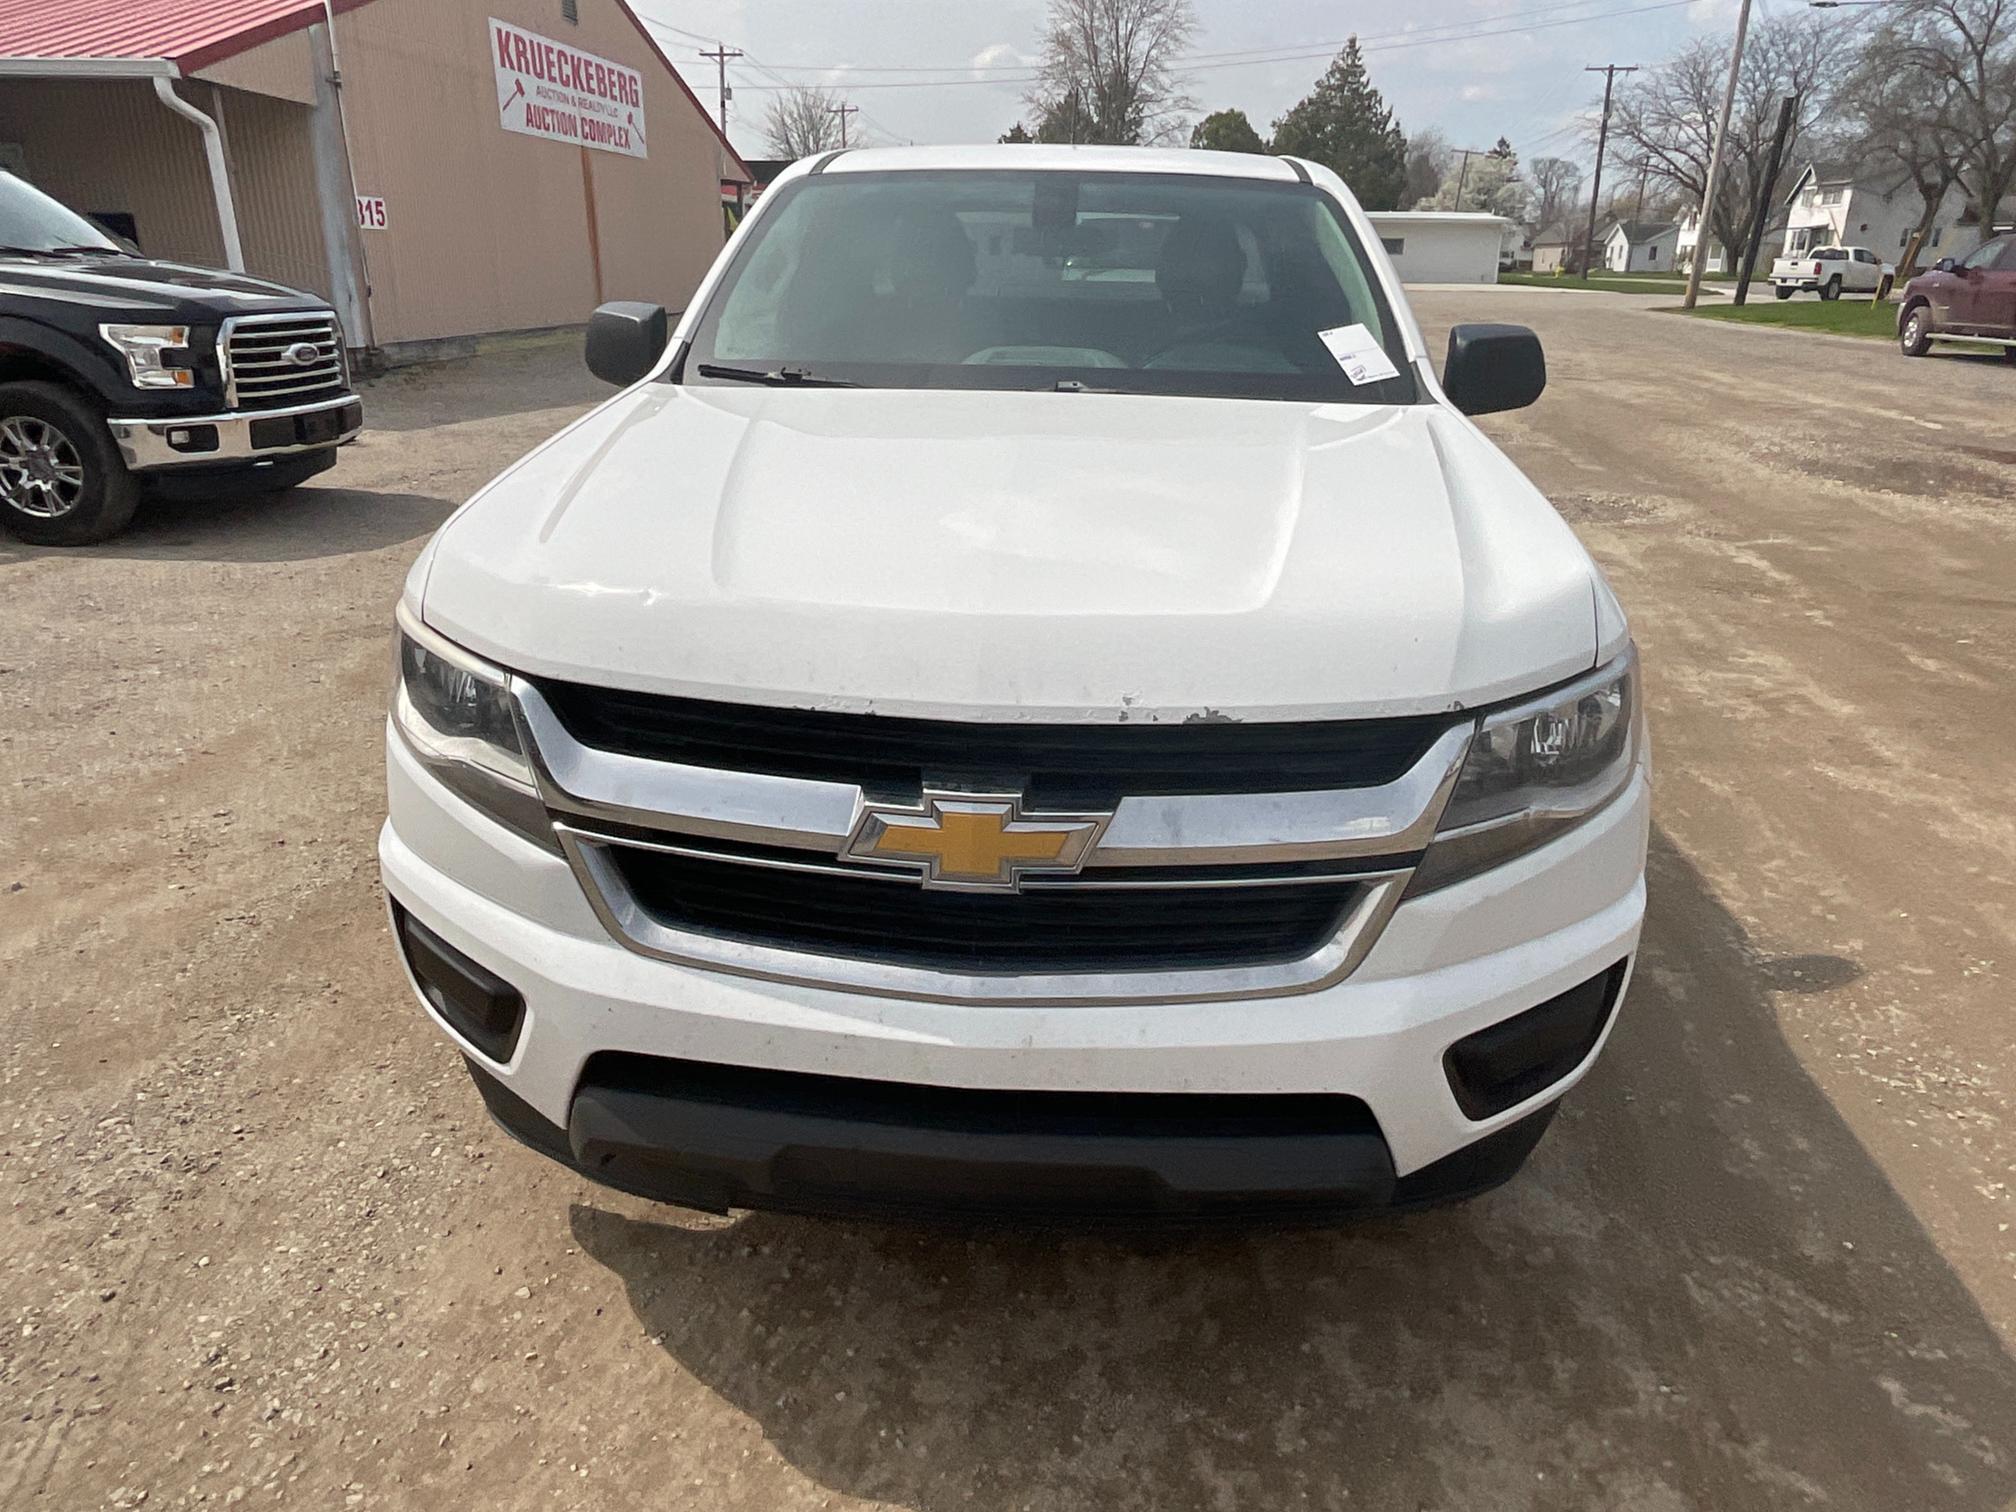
pixel 190 34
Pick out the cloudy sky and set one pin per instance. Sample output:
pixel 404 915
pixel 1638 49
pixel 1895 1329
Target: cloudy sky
pixel 950 70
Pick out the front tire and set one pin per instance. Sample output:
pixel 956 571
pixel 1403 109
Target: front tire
pixel 1914 337
pixel 1832 288
pixel 62 482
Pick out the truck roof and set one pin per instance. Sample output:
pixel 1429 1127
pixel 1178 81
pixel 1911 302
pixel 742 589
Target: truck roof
pixel 1033 156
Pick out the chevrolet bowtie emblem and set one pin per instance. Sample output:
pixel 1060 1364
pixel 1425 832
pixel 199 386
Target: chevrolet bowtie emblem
pixel 977 842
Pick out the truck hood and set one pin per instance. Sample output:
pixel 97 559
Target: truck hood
pixel 1036 556
pixel 142 287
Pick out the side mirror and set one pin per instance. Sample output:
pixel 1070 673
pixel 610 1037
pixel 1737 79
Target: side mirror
pixel 1492 368
pixel 625 340
pixel 1945 265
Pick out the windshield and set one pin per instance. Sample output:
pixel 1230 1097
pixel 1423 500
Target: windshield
pixel 1137 283
pixel 33 222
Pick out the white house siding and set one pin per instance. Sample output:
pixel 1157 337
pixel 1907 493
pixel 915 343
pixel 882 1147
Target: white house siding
pixel 1718 256
pixel 1849 215
pixel 1654 256
pixel 1429 246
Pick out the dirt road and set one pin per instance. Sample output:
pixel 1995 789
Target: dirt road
pixel 262 1247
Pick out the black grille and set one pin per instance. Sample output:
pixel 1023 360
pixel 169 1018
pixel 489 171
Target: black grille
pixel 1065 929
pixel 1054 766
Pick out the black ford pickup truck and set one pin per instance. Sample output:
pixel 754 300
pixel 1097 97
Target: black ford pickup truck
pixel 117 372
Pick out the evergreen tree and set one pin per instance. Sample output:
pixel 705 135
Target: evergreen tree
pixel 1346 125
pixel 1017 133
pixel 1227 131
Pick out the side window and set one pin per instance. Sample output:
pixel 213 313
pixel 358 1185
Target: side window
pixel 1863 255
pixel 2006 262
pixel 1983 256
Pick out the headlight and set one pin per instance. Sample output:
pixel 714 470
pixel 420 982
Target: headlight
pixel 1536 770
pixel 457 714
pixel 157 356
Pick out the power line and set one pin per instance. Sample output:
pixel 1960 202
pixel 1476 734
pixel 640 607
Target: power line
pixel 1503 31
pixel 1286 52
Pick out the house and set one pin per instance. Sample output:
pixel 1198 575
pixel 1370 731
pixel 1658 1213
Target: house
pixel 1640 246
pixel 1441 246
pixel 1683 246
pixel 1834 205
pixel 1557 248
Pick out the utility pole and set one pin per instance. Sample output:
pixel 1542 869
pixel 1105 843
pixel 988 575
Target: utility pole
pixel 1609 72
pixel 720 57
pixel 1463 174
pixel 844 111
pixel 1788 108
pixel 1715 162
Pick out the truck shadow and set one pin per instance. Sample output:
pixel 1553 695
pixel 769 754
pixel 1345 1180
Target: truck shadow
pixel 1702 1293
pixel 298 525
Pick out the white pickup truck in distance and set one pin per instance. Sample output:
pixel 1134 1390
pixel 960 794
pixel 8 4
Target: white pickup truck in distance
pixel 1034 697
pixel 1830 272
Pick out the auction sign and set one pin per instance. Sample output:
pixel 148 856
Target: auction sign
pixel 548 89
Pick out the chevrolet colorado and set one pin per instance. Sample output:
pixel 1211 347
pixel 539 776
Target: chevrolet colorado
pixel 117 371
pixel 1034 698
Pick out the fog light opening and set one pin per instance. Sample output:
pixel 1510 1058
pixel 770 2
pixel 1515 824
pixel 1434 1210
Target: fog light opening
pixel 1502 1066
pixel 477 1004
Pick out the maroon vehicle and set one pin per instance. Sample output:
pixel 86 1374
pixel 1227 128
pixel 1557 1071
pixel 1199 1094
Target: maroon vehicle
pixel 1973 296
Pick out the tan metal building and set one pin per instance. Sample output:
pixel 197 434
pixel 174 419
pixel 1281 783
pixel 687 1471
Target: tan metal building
pixel 440 169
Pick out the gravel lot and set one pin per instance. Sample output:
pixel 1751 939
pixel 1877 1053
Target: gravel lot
pixel 262 1247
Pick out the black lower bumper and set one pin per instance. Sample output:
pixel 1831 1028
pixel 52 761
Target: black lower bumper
pixel 715 1138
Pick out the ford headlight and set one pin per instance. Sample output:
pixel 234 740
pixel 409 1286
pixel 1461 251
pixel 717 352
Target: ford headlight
pixel 1536 770
pixel 458 716
pixel 157 356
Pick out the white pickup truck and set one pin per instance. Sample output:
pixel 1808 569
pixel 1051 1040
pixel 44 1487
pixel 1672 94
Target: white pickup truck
pixel 1830 272
pixel 954 735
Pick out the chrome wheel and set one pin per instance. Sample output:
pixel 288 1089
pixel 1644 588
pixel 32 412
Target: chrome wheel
pixel 41 474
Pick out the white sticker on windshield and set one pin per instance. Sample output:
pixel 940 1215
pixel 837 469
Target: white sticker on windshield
pixel 1359 353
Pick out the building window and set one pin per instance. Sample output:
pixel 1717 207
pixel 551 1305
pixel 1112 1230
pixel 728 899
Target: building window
pixel 1394 245
pixel 570 12
pixel 1830 196
pixel 1651 254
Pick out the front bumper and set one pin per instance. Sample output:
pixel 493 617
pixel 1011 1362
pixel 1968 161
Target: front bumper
pixel 1449 964
pixel 237 435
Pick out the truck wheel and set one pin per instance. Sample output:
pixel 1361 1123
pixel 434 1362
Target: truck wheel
pixel 61 480
pixel 1782 292
pixel 1915 335
pixel 1832 288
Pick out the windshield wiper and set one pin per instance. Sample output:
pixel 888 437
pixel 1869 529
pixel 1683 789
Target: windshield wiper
pixel 782 377
pixel 9 251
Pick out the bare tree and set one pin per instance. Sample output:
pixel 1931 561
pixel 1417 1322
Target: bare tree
pixel 1667 113
pixel 1108 72
pixel 801 122
pixel 1937 94
pixel 1557 187
pixel 1428 157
